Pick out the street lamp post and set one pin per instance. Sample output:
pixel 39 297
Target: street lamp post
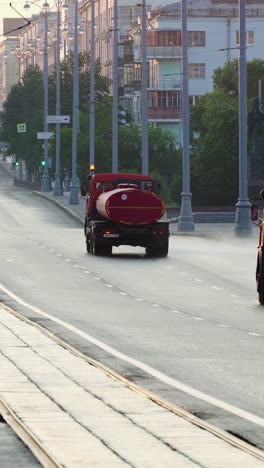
pixel 186 217
pixel 115 92
pixel 74 199
pixel 144 94
pixel 58 191
pixel 45 185
pixel 242 220
pixel 92 90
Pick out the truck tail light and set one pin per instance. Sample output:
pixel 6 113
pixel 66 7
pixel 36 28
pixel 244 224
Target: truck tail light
pixel 108 232
pixel 160 232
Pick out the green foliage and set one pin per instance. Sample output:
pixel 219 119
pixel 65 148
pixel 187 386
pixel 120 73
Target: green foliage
pixel 226 78
pixel 24 105
pixel 214 158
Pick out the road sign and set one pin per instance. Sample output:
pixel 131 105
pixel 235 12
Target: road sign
pixel 44 135
pixel 58 119
pixel 21 128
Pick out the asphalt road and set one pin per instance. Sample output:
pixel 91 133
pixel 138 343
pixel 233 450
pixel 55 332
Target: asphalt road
pixel 187 327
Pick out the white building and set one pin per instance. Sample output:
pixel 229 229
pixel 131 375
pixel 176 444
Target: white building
pixel 213 39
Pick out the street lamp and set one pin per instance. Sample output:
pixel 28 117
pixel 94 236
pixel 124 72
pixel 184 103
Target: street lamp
pixel 58 191
pixel 186 217
pixel 92 89
pixel 242 220
pixel 144 93
pixel 74 199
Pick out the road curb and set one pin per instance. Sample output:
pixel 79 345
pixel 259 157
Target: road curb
pixel 59 205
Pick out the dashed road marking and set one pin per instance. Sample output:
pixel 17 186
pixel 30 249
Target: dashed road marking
pixel 155 305
pixel 198 280
pixel 109 285
pixel 222 325
pixel 85 271
pixel 123 293
pixel 77 266
pixel 254 334
pixel 215 287
pixel 97 278
pixel 67 260
pixel 9 260
pixel 198 318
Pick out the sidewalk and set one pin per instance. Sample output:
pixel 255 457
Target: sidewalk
pixel 84 418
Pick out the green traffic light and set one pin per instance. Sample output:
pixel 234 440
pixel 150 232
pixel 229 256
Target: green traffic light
pixel 42 163
pixel 17 163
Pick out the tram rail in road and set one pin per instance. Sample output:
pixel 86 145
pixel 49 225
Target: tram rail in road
pixel 44 449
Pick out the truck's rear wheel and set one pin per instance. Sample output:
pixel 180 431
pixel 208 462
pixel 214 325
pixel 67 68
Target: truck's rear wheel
pixel 99 249
pixel 88 243
pixel 158 250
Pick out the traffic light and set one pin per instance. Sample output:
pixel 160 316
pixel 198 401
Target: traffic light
pixel 17 163
pixel 43 163
pixel 122 121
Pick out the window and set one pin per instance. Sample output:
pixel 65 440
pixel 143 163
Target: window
pixel 196 38
pixel 164 99
pixel 163 38
pixel 250 37
pixel 196 70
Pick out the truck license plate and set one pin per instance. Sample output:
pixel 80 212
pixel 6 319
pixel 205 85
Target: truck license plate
pixel 111 235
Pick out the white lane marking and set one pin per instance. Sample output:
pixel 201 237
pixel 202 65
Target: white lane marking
pixel 175 311
pixel 149 370
pixel 198 280
pixel 9 260
pixel 97 278
pixel 59 255
pixel 85 271
pixel 51 250
pixel 77 266
pixel 254 334
pixel 42 246
pixel 235 296
pixel 67 260
pixel 123 294
pixel 183 273
pixel 109 285
pixel 138 299
pixel 155 305
pixel 215 287
pixel 223 325
pixel 198 318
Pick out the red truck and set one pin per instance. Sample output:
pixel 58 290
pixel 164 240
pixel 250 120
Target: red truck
pixel 124 209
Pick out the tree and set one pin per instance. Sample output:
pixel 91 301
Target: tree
pixel 24 104
pixel 214 160
pixel 226 78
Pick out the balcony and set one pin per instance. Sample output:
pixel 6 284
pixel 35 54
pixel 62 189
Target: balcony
pixel 164 113
pixel 167 83
pixel 159 52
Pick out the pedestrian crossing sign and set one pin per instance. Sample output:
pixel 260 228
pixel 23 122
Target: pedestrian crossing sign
pixel 21 128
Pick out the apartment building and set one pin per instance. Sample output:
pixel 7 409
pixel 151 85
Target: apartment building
pixel 9 64
pixel 213 39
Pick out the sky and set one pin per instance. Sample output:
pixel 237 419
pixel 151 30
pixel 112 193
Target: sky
pixel 7 12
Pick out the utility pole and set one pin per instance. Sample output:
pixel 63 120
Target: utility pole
pixel 58 186
pixel 115 92
pixel 186 217
pixel 92 90
pixel 243 224
pixel 45 182
pixel 74 199
pixel 144 93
